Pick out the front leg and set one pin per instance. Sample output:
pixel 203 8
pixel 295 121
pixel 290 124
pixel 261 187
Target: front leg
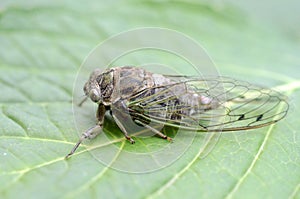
pixel 91 133
pixel 100 114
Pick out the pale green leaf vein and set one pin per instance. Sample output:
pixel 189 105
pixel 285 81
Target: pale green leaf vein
pixel 89 183
pixel 24 94
pixel 15 120
pixel 176 177
pixel 295 192
pixel 54 123
pixel 254 161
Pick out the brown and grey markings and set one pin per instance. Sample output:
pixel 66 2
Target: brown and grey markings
pixel 192 103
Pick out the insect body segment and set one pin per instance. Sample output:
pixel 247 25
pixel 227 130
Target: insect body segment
pixel 192 103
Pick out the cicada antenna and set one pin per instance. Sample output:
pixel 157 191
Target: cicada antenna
pixel 82 101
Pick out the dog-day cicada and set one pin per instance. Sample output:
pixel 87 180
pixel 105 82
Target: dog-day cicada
pixel 192 103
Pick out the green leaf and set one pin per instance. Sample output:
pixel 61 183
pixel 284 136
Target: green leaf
pixel 42 47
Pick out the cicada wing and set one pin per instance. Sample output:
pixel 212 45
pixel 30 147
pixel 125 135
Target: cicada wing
pixel 254 107
pixel 212 104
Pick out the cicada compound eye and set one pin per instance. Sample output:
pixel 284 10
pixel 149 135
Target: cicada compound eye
pixel 94 95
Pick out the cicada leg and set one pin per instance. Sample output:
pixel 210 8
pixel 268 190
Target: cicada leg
pixel 160 134
pixel 90 133
pixel 120 125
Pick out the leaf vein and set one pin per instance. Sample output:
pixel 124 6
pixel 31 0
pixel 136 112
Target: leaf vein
pixel 168 184
pixel 254 161
pixel 15 120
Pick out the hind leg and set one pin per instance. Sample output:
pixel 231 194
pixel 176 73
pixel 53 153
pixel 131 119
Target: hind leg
pixel 160 134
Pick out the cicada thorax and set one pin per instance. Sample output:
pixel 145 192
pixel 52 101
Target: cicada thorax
pixel 106 85
pixel 121 83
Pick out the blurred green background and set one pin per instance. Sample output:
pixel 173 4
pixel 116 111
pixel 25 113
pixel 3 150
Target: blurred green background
pixel 43 44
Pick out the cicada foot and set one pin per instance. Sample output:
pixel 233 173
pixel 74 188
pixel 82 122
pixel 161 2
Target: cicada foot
pixel 130 139
pixel 169 139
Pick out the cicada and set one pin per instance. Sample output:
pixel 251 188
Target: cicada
pixel 192 103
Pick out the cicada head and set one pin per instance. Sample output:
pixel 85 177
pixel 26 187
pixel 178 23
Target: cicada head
pixel 92 88
pixel 99 86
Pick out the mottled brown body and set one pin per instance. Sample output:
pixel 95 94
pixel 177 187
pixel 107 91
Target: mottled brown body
pixel 213 104
pixel 138 91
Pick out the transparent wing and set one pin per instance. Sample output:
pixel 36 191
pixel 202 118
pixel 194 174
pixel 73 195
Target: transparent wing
pixel 212 104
